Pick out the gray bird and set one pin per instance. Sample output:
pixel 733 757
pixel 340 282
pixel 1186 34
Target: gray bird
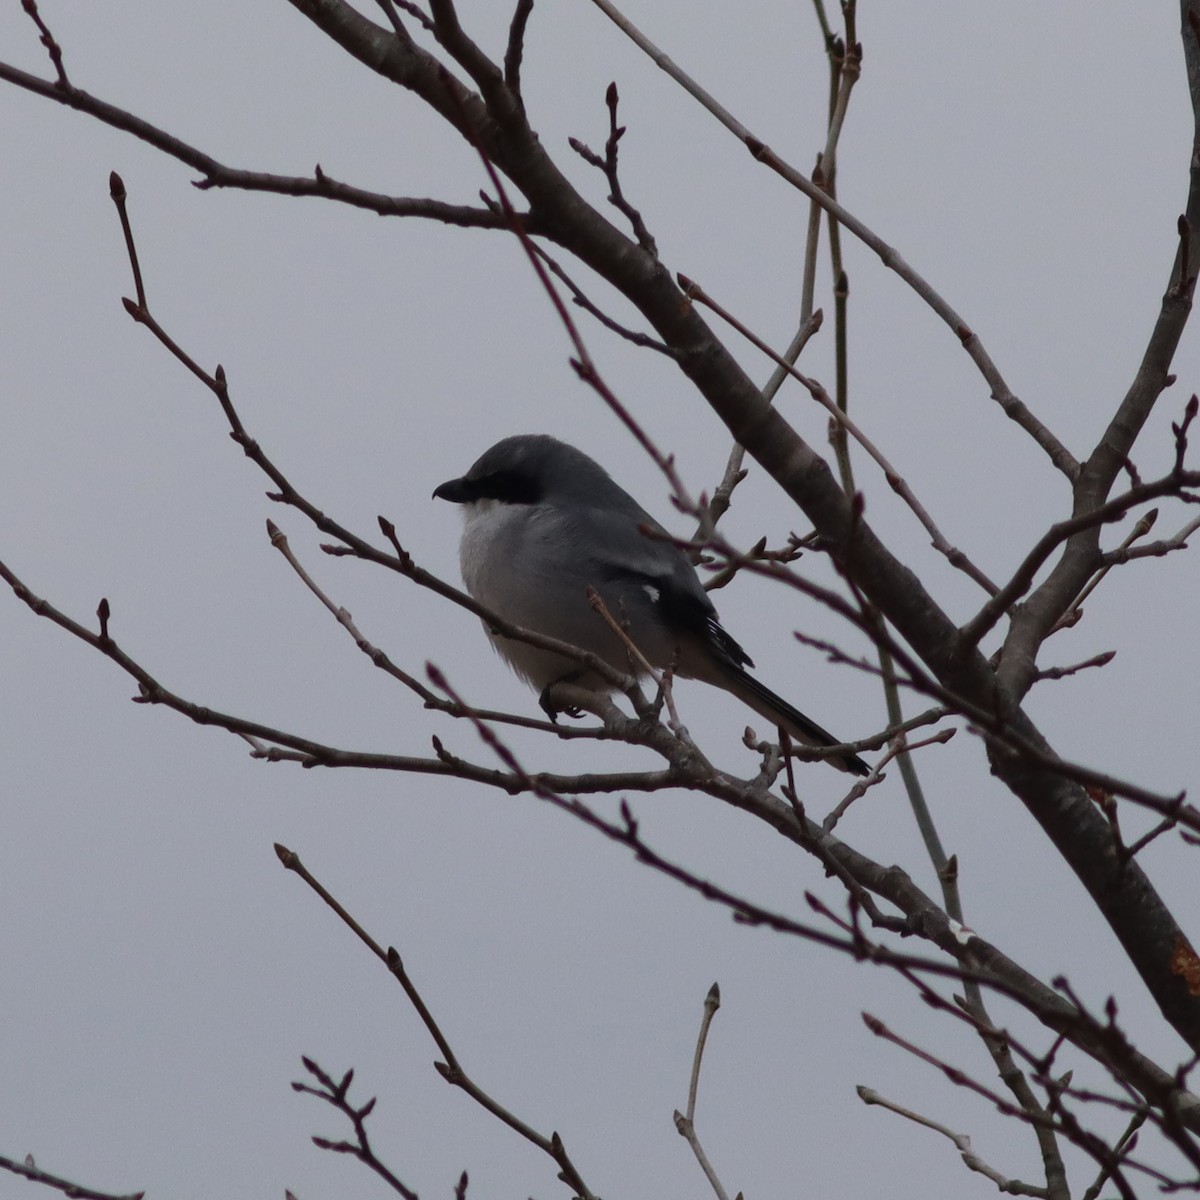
pixel 542 522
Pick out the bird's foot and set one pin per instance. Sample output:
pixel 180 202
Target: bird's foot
pixel 550 708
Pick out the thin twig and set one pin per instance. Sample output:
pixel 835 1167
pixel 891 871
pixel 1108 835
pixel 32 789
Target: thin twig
pixel 31 1171
pixel 389 11
pixel 413 10
pixel 609 165
pixel 962 1142
pixel 1164 826
pixel 47 40
pixel 116 189
pixel 1098 660
pixel 1124 1144
pixel 712 1002
pixel 1091 1144
pixel 900 746
pixel 662 679
pixel 346 621
pixel 215 174
pixel 735 472
pixel 579 298
pixel 722 576
pixel 1122 553
pixel 1158 549
pixel 380 659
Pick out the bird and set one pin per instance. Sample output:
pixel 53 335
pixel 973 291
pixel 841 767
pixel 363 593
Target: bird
pixel 543 522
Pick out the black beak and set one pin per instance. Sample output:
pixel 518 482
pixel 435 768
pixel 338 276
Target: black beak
pixel 457 491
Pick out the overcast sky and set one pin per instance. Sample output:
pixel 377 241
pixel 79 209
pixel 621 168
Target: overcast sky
pixel 162 974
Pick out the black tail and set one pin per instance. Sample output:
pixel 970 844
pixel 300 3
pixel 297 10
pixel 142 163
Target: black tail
pixel 778 711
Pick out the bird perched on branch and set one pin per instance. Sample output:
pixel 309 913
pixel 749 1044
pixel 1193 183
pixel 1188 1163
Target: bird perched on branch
pixel 542 523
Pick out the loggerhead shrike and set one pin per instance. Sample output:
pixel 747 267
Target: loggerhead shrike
pixel 542 522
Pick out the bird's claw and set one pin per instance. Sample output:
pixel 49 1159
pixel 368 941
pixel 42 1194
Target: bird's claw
pixel 552 710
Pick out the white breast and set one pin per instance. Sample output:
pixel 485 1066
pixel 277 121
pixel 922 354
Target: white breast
pixel 507 566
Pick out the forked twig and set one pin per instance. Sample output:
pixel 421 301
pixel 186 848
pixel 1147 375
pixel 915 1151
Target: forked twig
pixel 962 1142
pixel 451 1069
pixel 47 40
pixel 608 164
pixel 685 1123
pixel 895 480
pixel 335 1092
pixel 1058 1121
pixel 735 472
pixel 1012 407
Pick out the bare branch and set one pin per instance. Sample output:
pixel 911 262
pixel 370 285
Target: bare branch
pixel 389 8
pixel 503 104
pixel 583 364
pixel 662 679
pixel 381 660
pixel 1022 578
pixel 1001 393
pixel 1057 592
pixel 217 175
pixel 335 1093
pixel 579 298
pixel 47 40
pixel 734 470
pixel 516 46
pixel 1069 1128
pixel 31 1171
pixel 1098 660
pixel 889 883
pixel 400 562
pixel 608 164
pixel 1140 529
pixel 1172 806
pixel 962 1142
pixel 451 1070
pixel 1159 549
pixel 686 1122
pixel 1124 1144
pixel 900 746
pixel 895 480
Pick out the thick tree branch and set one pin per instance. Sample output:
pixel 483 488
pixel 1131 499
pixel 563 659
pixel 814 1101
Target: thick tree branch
pixel 1175 484
pixel 1097 474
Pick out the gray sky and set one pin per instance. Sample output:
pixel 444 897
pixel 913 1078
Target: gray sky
pixel 163 973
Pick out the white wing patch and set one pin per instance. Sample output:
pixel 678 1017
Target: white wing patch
pixel 653 592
